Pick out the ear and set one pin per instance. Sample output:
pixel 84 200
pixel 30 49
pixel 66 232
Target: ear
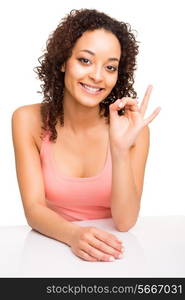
pixel 62 69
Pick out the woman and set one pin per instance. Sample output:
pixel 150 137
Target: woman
pixel 81 153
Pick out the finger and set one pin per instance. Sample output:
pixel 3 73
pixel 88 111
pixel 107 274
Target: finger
pixel 113 108
pixel 144 103
pixel 82 254
pixel 152 116
pixel 107 238
pixel 120 104
pixel 99 255
pixel 127 101
pixel 132 107
pixel 96 243
pixel 135 100
pixel 127 114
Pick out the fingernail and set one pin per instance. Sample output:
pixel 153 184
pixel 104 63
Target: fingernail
pixel 120 104
pixel 120 256
pixel 111 258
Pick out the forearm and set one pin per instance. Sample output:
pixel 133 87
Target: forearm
pixel 49 223
pixel 125 203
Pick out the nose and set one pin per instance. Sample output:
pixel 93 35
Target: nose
pixel 96 74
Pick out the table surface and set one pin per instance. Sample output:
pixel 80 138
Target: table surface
pixel 154 247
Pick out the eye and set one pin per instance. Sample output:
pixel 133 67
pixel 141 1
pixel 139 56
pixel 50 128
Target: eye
pixel 84 60
pixel 112 69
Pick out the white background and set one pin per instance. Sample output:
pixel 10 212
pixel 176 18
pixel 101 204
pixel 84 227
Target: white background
pixel 25 26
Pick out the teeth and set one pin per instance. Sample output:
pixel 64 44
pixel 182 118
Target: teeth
pixel 91 88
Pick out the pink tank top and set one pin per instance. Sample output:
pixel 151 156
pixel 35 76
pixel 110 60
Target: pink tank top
pixel 74 198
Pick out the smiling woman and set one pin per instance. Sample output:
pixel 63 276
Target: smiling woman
pixel 81 153
pixel 112 52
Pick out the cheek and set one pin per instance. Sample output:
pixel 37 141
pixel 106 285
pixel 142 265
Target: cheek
pixel 111 82
pixel 71 75
pixel 75 71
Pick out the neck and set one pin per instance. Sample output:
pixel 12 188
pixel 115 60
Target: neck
pixel 80 119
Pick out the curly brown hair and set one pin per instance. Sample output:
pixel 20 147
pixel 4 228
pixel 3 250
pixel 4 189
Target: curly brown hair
pixel 59 48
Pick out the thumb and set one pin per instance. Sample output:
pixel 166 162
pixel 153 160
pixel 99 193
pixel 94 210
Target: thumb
pixel 117 105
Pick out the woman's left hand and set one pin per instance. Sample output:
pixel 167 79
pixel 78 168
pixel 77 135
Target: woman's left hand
pixel 124 129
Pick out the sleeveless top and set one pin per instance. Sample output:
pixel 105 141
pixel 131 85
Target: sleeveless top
pixel 75 198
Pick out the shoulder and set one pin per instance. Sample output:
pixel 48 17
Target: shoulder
pixel 28 118
pixel 27 111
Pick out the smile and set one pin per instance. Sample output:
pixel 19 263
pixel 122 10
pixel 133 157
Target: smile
pixel 91 90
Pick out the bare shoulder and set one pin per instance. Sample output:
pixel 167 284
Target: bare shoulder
pixel 29 116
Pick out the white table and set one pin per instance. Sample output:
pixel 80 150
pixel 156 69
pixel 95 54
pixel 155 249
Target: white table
pixel 154 247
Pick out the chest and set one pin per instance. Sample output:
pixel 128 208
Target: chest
pixel 79 158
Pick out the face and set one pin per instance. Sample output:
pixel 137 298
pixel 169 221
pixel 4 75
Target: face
pixel 92 70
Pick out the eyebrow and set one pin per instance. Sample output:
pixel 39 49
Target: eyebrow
pixel 92 53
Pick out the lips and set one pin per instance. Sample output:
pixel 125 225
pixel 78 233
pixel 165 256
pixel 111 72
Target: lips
pixel 91 86
pixel 91 89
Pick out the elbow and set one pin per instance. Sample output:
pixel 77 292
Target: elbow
pixel 124 227
pixel 29 222
pixel 30 215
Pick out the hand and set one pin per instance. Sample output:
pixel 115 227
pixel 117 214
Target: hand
pixel 124 129
pixel 93 244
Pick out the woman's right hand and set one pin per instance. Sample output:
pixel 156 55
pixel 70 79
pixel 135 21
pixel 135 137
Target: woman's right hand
pixel 93 244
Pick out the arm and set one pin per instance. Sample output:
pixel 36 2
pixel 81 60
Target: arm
pixel 30 181
pixel 127 181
